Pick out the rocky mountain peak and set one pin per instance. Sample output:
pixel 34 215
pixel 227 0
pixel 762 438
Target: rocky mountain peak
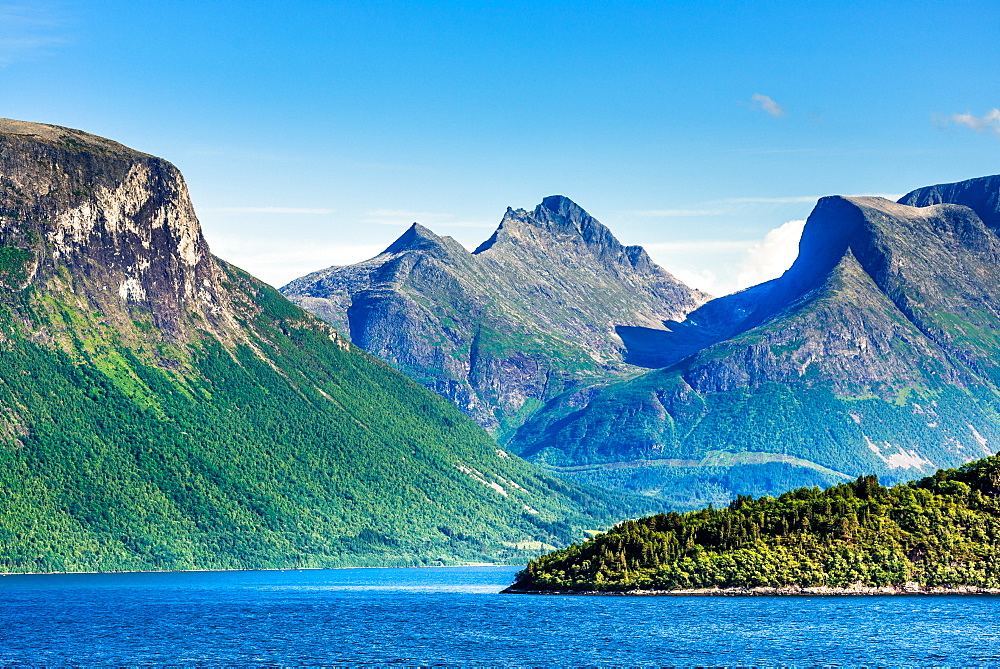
pixel 563 216
pixel 528 313
pixel 416 238
pixel 559 226
pixel 560 208
pixel 510 226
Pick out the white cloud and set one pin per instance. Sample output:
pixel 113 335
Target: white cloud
pixel 988 122
pixel 704 280
pixel 770 257
pixel 267 210
pixel 766 104
pixel 720 267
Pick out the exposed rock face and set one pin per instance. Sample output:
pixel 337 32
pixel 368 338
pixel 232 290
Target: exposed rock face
pixel 530 313
pixel 73 201
pixel 883 253
pixel 875 352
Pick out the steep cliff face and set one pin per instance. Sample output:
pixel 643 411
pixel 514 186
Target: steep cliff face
pixel 91 217
pixel 527 315
pixel 876 352
pixel 161 409
pixel 921 261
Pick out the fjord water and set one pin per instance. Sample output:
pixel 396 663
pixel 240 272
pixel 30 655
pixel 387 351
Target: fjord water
pixel 457 616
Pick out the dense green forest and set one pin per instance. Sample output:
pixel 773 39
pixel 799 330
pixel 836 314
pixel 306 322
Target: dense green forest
pixel 943 530
pixel 292 449
pixel 162 409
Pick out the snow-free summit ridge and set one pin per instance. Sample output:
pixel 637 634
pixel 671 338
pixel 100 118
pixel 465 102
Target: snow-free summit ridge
pixel 529 314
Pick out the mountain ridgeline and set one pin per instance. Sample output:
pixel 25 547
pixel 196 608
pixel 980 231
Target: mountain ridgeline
pixel 529 314
pixel 162 409
pixel 941 533
pixel 876 352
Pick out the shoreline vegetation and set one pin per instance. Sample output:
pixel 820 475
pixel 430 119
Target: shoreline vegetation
pixel 938 535
pixel 907 589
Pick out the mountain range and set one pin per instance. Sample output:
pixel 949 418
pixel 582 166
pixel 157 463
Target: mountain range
pixel 162 409
pixel 530 314
pixel 876 352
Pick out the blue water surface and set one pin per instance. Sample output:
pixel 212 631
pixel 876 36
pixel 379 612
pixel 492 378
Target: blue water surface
pixel 456 616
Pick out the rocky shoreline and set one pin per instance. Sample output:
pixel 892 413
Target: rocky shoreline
pixel 908 588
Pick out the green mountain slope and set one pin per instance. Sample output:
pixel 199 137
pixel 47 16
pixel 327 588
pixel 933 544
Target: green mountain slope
pixel 160 409
pixel 528 315
pixel 876 352
pixel 941 531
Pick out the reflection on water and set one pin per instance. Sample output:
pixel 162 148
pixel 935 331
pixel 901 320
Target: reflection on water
pixel 456 616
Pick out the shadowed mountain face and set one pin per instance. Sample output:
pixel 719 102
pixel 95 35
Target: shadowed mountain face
pixel 529 314
pixel 892 250
pixel 161 409
pixel 876 352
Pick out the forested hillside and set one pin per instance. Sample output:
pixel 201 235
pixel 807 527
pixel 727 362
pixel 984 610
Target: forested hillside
pixel 940 531
pixel 161 409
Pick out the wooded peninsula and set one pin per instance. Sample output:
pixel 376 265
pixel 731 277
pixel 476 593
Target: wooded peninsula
pixel 938 534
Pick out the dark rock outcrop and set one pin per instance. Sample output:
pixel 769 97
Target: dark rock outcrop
pixel 981 195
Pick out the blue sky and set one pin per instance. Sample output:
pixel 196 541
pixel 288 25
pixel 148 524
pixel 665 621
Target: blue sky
pixel 310 133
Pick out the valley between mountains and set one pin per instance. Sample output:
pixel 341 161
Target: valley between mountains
pixel 163 409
